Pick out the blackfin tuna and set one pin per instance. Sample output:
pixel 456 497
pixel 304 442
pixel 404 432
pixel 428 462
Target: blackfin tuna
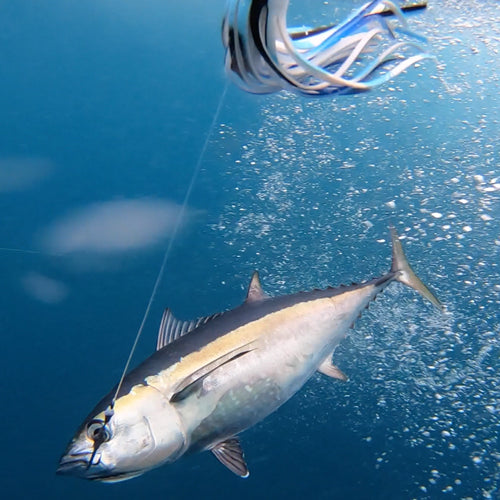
pixel 212 378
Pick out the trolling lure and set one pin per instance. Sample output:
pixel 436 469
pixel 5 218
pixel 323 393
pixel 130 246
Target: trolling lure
pixel 364 51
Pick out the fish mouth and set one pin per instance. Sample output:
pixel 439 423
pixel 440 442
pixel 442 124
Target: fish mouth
pixel 78 465
pixel 117 478
pixel 70 466
pixel 75 466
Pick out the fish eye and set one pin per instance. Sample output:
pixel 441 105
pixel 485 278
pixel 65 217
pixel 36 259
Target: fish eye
pixel 97 431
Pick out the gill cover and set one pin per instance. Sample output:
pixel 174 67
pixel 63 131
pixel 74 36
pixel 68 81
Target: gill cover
pixel 144 432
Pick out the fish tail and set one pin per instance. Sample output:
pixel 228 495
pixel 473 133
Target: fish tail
pixel 405 274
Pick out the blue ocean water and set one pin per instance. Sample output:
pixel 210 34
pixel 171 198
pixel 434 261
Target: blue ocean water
pixel 105 107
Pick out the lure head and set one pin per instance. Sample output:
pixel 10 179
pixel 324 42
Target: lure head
pixel 141 432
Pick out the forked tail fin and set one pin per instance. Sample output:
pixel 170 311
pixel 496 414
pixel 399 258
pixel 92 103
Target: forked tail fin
pixel 404 273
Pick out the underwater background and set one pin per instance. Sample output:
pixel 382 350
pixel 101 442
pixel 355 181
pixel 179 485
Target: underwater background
pixel 104 110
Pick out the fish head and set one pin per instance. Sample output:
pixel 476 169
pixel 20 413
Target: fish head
pixel 143 431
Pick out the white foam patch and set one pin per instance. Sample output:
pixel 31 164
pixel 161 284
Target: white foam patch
pixel 113 227
pixel 19 173
pixel 44 289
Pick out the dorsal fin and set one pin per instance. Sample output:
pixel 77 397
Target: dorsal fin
pixel 230 454
pixel 255 291
pixel 172 328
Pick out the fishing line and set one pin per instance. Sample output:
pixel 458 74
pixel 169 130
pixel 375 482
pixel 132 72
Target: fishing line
pixel 166 255
pixel 19 250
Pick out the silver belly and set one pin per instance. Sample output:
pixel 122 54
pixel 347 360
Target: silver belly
pixel 245 391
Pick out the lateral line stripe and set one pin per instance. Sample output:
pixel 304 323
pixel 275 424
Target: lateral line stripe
pixel 168 379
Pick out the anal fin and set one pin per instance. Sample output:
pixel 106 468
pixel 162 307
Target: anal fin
pixel 326 368
pixel 230 454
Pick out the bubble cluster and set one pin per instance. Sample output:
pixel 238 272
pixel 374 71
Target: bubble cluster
pixel 317 183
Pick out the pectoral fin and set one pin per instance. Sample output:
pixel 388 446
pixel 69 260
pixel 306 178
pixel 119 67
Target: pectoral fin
pixel 230 454
pixel 194 381
pixel 326 368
